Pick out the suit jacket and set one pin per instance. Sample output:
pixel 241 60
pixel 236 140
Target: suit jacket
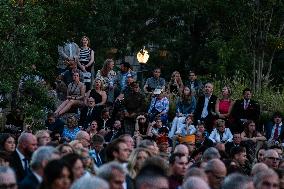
pixel 230 145
pixel 210 108
pixel 269 128
pixel 251 113
pixel 85 119
pixel 29 182
pixel 113 134
pixel 108 124
pixel 16 164
pixel 207 143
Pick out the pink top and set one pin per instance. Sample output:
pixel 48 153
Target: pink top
pixel 224 106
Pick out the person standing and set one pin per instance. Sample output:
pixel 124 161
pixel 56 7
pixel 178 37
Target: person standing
pixel 68 51
pixel 86 61
pixel 205 106
pixel 245 109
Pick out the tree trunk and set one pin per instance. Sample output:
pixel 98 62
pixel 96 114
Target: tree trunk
pixel 253 72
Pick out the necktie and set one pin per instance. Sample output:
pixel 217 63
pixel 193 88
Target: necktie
pixel 99 161
pixel 89 112
pixel 246 104
pixel 275 136
pixel 26 167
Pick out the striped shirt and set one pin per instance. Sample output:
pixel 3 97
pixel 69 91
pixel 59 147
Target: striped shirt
pixel 85 54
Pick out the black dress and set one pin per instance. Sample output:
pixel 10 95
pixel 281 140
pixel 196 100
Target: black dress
pixel 98 99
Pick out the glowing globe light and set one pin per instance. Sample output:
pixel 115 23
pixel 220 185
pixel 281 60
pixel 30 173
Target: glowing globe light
pixel 143 56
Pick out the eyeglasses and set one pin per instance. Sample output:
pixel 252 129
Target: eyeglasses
pixel 273 158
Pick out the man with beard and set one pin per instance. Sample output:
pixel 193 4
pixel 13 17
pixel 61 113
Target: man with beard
pixel 27 144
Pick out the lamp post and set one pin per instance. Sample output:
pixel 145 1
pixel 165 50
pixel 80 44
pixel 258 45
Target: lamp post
pixel 142 57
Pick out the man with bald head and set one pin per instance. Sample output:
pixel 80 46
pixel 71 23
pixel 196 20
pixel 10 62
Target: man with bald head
pixel 271 158
pixel 84 138
pixel 216 172
pixel 27 144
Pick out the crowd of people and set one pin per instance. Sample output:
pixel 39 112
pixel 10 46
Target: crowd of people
pixel 110 131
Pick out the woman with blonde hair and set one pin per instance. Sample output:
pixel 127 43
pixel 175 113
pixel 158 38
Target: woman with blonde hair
pixel 136 159
pixel 108 76
pixel 97 93
pixel 175 85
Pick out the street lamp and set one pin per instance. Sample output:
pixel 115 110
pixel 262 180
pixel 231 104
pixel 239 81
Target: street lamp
pixel 142 57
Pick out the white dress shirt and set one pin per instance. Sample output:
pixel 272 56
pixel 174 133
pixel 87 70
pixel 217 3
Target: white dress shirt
pixel 216 137
pixel 204 113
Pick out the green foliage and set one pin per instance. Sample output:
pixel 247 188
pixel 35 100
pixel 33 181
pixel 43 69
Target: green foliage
pixel 218 39
pixel 36 102
pixel 270 99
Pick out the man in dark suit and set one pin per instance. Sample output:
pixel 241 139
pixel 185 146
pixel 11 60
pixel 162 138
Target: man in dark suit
pixel 275 130
pixel 39 160
pixel 235 143
pixel 97 147
pixel 27 144
pixel 202 140
pixel 114 132
pixel 245 109
pixel 206 107
pixel 54 124
pixel 105 122
pixel 89 113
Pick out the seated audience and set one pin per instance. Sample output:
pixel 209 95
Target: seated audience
pixel 275 129
pixel 221 133
pixel 154 82
pixel 175 85
pixel 54 124
pixel 108 77
pixel 75 95
pixel 185 106
pixel 71 129
pixel 159 106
